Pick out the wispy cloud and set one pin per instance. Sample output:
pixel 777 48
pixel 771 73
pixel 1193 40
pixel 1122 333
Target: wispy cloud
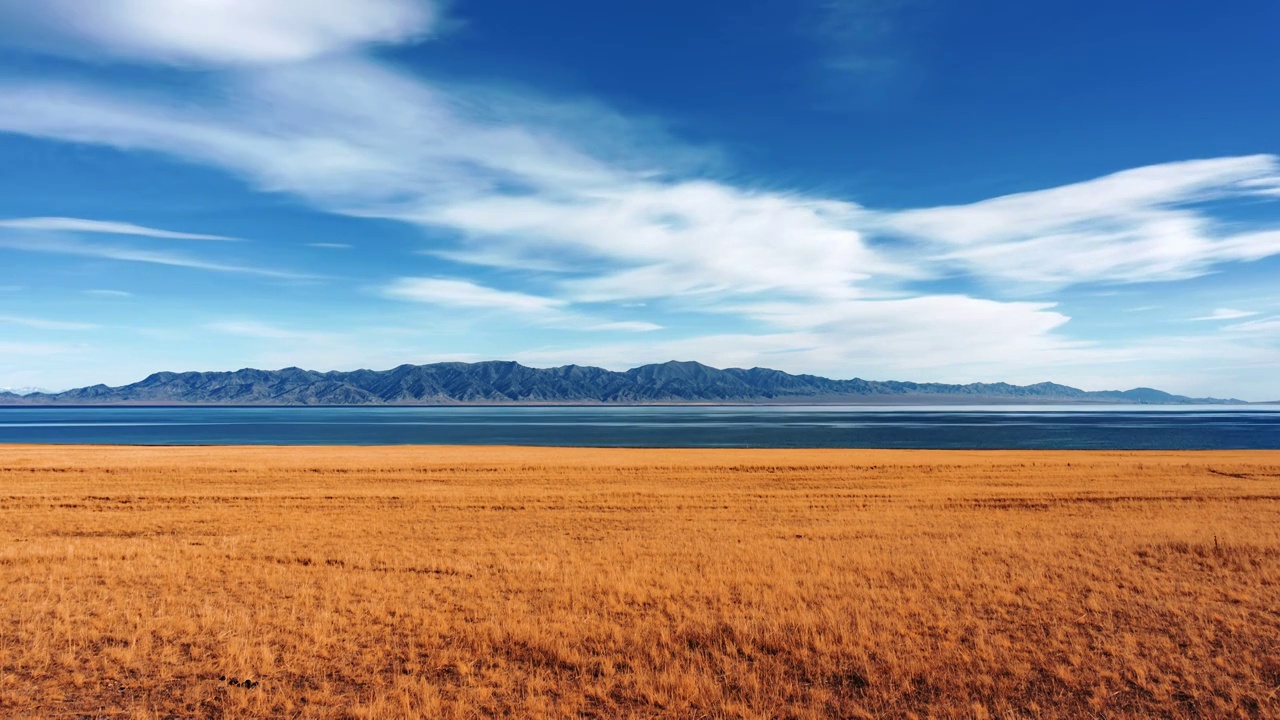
pixel 44 324
pixel 1268 328
pixel 626 326
pixel 79 225
pixel 1140 225
pixel 330 246
pixel 357 138
pixel 26 349
pixel 507 257
pixel 685 238
pixel 214 31
pixel 1226 314
pixel 108 293
pixel 862 40
pixel 267 331
pixel 540 309
pixel 462 293
pixel 63 246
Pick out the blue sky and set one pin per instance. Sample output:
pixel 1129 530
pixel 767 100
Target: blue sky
pixel 1083 192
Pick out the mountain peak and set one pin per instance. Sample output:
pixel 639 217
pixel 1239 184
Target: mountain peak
pixel 507 381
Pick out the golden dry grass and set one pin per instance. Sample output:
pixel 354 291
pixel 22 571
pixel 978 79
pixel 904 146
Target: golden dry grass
pixel 522 582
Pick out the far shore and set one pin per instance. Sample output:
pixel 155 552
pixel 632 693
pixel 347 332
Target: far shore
pixel 872 401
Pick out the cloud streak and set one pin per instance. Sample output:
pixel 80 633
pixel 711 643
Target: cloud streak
pixel 1140 225
pixel 43 324
pixel 1225 314
pixel 25 349
pixel 265 331
pixel 73 247
pixel 79 225
pixel 548 311
pixel 213 32
pixel 465 294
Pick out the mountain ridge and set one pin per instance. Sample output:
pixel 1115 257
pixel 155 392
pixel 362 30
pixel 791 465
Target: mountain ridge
pixel 509 382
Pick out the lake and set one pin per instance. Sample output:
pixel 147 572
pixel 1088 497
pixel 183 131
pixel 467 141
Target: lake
pixel 955 427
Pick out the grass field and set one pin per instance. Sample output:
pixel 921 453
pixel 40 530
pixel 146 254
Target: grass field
pixel 526 582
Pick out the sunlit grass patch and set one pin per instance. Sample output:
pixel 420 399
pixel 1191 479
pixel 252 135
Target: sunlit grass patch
pixel 537 582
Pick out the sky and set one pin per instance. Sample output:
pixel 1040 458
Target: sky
pixel 1084 192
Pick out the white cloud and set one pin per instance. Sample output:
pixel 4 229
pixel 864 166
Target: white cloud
pixel 686 238
pixel 461 293
pixel 62 246
pixel 1116 196
pixel 627 326
pixel 1268 186
pixel 330 246
pixel 266 331
pixel 214 31
pixel 78 225
pixel 348 135
pixel 1145 224
pixel 1226 314
pixel 43 324
pixel 525 258
pixel 547 311
pixel 33 349
pixel 108 293
pixel 1268 328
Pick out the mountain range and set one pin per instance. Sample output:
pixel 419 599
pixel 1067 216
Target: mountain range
pixel 498 382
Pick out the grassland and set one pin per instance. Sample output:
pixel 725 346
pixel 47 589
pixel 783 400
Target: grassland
pixel 474 582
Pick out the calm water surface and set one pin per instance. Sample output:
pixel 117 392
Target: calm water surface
pixel 1082 427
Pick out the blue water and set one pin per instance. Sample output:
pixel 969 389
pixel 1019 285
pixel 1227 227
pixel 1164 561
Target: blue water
pixel 1082 427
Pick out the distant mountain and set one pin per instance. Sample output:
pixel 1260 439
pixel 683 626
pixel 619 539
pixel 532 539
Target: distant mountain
pixel 497 382
pixel 20 391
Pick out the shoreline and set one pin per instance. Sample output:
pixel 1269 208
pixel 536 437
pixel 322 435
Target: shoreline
pixel 619 449
pixel 916 401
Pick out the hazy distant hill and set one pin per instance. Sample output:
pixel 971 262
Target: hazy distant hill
pixel 20 391
pixel 509 382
